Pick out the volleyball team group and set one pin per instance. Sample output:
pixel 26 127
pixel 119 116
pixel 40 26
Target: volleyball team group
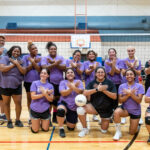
pixel 52 83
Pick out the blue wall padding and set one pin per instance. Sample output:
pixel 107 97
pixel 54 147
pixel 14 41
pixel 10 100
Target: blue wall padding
pixel 81 26
pixel 11 26
pixel 116 23
pixel 46 25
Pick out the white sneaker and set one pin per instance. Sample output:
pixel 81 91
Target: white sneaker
pixel 99 121
pixel 95 118
pixel 123 120
pixel 103 131
pixel 117 136
pixel 140 121
pixel 83 132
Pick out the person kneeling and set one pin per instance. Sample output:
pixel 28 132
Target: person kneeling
pixel 102 93
pixel 42 93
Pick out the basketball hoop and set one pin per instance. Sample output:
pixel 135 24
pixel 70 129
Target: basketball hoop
pixel 80 41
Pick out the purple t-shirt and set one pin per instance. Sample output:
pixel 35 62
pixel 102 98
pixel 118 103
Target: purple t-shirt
pixel 81 67
pixel 33 74
pixel 42 104
pixel 91 77
pixel 148 94
pixel 116 78
pixel 123 65
pixel 130 105
pixel 56 75
pixel 70 99
pixel 12 78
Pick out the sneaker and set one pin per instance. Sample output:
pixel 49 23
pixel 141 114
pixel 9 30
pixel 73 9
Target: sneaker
pixel 9 124
pixel 62 133
pixel 4 117
pixel 123 120
pixel 18 123
pixel 29 122
pixel 95 118
pixel 111 120
pixel 83 132
pixel 140 121
pixel 103 131
pixel 117 136
pixel 1 118
pixel 148 141
pixel 99 122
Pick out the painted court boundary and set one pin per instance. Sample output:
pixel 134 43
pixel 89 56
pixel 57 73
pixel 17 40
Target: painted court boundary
pixel 6 142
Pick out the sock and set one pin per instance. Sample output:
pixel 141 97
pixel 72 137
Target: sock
pixel 117 125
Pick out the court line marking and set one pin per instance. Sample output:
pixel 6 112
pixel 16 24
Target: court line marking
pixel 133 139
pixel 51 136
pixel 61 142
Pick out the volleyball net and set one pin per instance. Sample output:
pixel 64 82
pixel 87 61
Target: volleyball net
pixel 100 43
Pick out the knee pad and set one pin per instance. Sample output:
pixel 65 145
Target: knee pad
pixel 147 120
pixel 80 111
pixel 61 112
pixel 33 131
pixel 70 129
pixel 45 130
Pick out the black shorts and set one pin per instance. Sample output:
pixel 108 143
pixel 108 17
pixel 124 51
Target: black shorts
pixel 71 116
pixel 131 115
pixel 27 86
pixel 44 116
pixel 107 113
pixel 56 89
pixel 1 96
pixel 10 91
pixel 56 94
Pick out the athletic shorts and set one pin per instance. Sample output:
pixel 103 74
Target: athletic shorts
pixel 132 116
pixel 56 93
pixel 10 91
pixel 1 96
pixel 71 116
pixel 36 115
pixel 27 86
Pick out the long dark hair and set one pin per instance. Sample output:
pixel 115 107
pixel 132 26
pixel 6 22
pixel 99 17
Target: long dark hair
pixel 9 53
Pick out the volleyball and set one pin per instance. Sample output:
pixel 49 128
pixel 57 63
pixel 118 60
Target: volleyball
pixel 80 100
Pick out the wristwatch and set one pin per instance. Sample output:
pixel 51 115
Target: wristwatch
pixel 96 89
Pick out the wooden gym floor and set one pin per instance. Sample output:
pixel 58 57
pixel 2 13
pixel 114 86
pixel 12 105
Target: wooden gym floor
pixel 24 139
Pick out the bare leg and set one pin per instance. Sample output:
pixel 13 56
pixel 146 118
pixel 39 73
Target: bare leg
pixel 6 101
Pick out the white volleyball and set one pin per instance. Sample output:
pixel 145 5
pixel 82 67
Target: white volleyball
pixel 80 100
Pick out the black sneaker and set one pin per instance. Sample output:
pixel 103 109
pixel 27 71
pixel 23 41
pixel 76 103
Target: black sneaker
pixel 62 133
pixel 111 120
pixel 9 124
pixel 18 123
pixel 4 117
pixel 29 122
pixel 148 141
